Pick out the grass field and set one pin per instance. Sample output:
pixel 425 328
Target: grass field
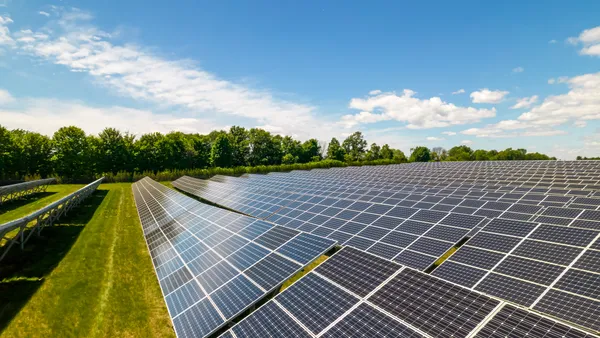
pixel 88 276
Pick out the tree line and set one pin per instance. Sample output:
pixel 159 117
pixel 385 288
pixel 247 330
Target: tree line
pixel 72 154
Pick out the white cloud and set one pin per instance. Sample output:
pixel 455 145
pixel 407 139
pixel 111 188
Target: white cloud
pixel 375 92
pixel 466 142
pixel 433 138
pixel 460 91
pixel 590 38
pixel 581 103
pixel 5 97
pixel 513 128
pixel 551 81
pixel 579 124
pixel 46 14
pixel 525 102
pixel 48 115
pixel 552 41
pixel 488 96
pixel 518 70
pixel 5 38
pixel 416 113
pixel 449 133
pixel 135 72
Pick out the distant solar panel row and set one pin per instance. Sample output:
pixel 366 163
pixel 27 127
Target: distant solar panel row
pixel 354 294
pixel 390 182
pixel 213 264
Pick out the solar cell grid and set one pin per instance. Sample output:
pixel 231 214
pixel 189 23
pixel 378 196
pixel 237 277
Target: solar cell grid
pixel 511 321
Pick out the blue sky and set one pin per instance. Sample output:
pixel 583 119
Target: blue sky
pixel 507 74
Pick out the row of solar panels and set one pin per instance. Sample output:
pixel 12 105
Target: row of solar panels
pixel 319 185
pixel 462 177
pixel 213 264
pixel 352 294
pixel 566 287
pixel 436 181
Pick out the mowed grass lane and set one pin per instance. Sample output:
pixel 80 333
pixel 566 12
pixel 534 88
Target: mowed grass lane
pixel 88 276
pixel 14 209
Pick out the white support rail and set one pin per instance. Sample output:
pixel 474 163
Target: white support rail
pixel 15 232
pixel 14 191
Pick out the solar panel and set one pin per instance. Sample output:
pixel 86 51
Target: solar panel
pixel 213 264
pixel 354 294
pixel 532 265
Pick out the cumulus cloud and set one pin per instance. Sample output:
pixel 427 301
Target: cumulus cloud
pixel 518 70
pixel 581 103
pixel 525 102
pixel 46 14
pixel 488 96
pixel 5 97
pixel 590 39
pixel 460 91
pixel 449 133
pixel 466 142
pixel 513 128
pixel 135 72
pixel 433 138
pixel 375 92
pixel 416 113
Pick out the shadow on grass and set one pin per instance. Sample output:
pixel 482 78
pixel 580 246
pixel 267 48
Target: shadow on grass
pixel 23 272
pixel 17 203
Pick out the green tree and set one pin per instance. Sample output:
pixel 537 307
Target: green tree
pixel 399 156
pixel 291 147
pixel 289 159
pixel 6 147
pixel 220 154
pixel 460 153
pixel 176 151
pixel 147 152
pixel 420 154
pixel 311 150
pixel 72 153
pixel 37 153
pixel 114 151
pixel 335 151
pixel 239 140
pixel 355 146
pixel 386 153
pixel 374 153
pixel 481 155
pixel 202 148
pixel 265 149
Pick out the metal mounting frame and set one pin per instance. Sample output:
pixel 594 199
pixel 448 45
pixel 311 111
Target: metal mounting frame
pixel 16 232
pixel 15 191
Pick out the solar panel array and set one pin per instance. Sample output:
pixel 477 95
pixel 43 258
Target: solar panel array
pixel 213 264
pixel 542 253
pixel 410 236
pixel 355 294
